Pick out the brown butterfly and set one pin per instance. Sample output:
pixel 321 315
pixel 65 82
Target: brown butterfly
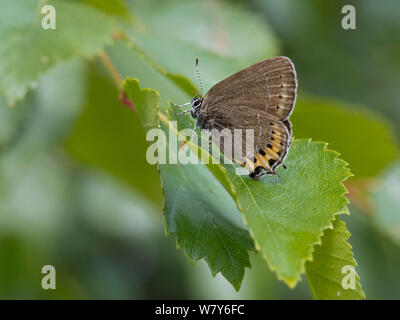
pixel 260 97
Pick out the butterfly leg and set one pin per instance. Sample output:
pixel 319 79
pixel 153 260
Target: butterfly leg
pixel 194 130
pixel 186 111
pixel 183 105
pixel 257 173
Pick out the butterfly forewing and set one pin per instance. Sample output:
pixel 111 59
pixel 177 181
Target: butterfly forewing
pixel 269 85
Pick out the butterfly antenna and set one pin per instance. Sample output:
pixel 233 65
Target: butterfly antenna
pixel 198 76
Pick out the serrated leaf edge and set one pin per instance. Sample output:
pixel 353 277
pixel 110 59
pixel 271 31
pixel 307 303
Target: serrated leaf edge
pixel 290 282
pixel 353 260
pixel 35 82
pixel 162 117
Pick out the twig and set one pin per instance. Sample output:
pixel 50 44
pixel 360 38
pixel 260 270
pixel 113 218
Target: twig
pixel 111 68
pixel 108 64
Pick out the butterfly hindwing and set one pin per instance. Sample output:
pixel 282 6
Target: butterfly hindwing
pixel 271 137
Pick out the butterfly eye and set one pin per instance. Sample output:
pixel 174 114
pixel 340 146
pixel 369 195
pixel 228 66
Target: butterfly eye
pixel 197 103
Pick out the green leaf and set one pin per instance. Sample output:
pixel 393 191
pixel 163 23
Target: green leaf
pixel 45 116
pixel 387 203
pixel 287 213
pixel 326 272
pixel 205 220
pixel 378 256
pixel 218 27
pixel 324 204
pixel 109 136
pixel 197 209
pixel 351 130
pixel 285 217
pixel 116 8
pixel 218 37
pixel 80 30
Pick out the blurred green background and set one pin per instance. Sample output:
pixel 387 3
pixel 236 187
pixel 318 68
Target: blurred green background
pixel 76 191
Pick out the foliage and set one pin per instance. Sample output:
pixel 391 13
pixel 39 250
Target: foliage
pixel 285 215
pixel 345 127
pixel 69 128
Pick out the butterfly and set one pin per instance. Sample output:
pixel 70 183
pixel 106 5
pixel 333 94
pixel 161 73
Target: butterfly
pixel 260 97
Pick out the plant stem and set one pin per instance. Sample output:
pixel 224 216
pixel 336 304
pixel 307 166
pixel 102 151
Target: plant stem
pixel 108 64
pixel 105 59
